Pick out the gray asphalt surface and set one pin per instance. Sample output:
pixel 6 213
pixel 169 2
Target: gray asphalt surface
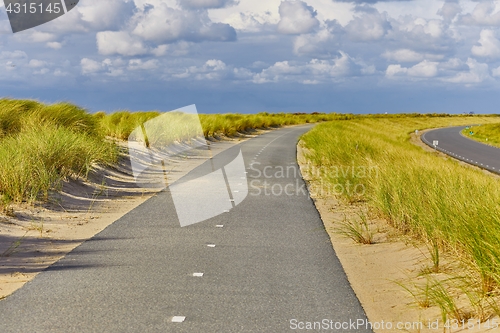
pixel 451 142
pixel 272 268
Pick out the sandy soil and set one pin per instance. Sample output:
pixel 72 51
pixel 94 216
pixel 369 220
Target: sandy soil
pixel 378 271
pixel 34 237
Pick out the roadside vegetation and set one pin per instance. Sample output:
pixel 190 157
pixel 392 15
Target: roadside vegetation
pixel 452 208
pixel 489 134
pixel 120 124
pixel 40 145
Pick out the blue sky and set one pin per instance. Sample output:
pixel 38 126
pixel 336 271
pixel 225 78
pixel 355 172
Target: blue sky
pixel 360 56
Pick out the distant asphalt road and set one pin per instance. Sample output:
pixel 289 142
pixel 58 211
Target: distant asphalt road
pixel 267 264
pixel 453 143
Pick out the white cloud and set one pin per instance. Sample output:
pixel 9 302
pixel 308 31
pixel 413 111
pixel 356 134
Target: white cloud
pixel 119 42
pixel 312 43
pixel 104 15
pixel 116 67
pixel 424 35
pixel 161 50
pixel 421 26
pixel 207 3
pixel 369 26
pixel 137 27
pixel 483 14
pixel 410 29
pixel 307 81
pixel 320 44
pixel 38 37
pixel 61 73
pixel 478 72
pixel 279 69
pixel 368 69
pixel 115 62
pixel 424 69
pixel 214 69
pixel 164 24
pixel 297 18
pixel 324 70
pixel 90 66
pixel 453 64
pixel 249 22
pixel 407 55
pixel 489 45
pixel 13 60
pixel 449 11
pixel 10 66
pixel 242 73
pixel 93 15
pixel 41 71
pixel 434 28
pixel 54 45
pixel 13 55
pixel 138 64
pixel 113 67
pixel 496 71
pixel 35 63
pixel 393 70
pixel 176 50
pixel 403 55
pixel 247 12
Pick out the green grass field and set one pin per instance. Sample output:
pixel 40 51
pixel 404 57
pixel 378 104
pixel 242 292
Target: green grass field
pixel 488 133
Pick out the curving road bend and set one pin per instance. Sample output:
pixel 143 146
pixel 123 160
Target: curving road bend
pixel 266 265
pixel 453 143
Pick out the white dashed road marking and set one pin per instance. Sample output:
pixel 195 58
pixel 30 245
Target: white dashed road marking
pixel 178 319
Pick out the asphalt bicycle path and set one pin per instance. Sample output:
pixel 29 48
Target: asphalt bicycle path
pixel 267 264
pixel 453 143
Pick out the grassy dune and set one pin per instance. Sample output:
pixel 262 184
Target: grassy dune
pixel 40 145
pixel 489 133
pixel 121 124
pixel 450 207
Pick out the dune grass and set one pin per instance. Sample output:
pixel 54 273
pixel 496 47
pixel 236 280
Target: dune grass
pixel 451 207
pixel 40 145
pixel 488 133
pixel 121 124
